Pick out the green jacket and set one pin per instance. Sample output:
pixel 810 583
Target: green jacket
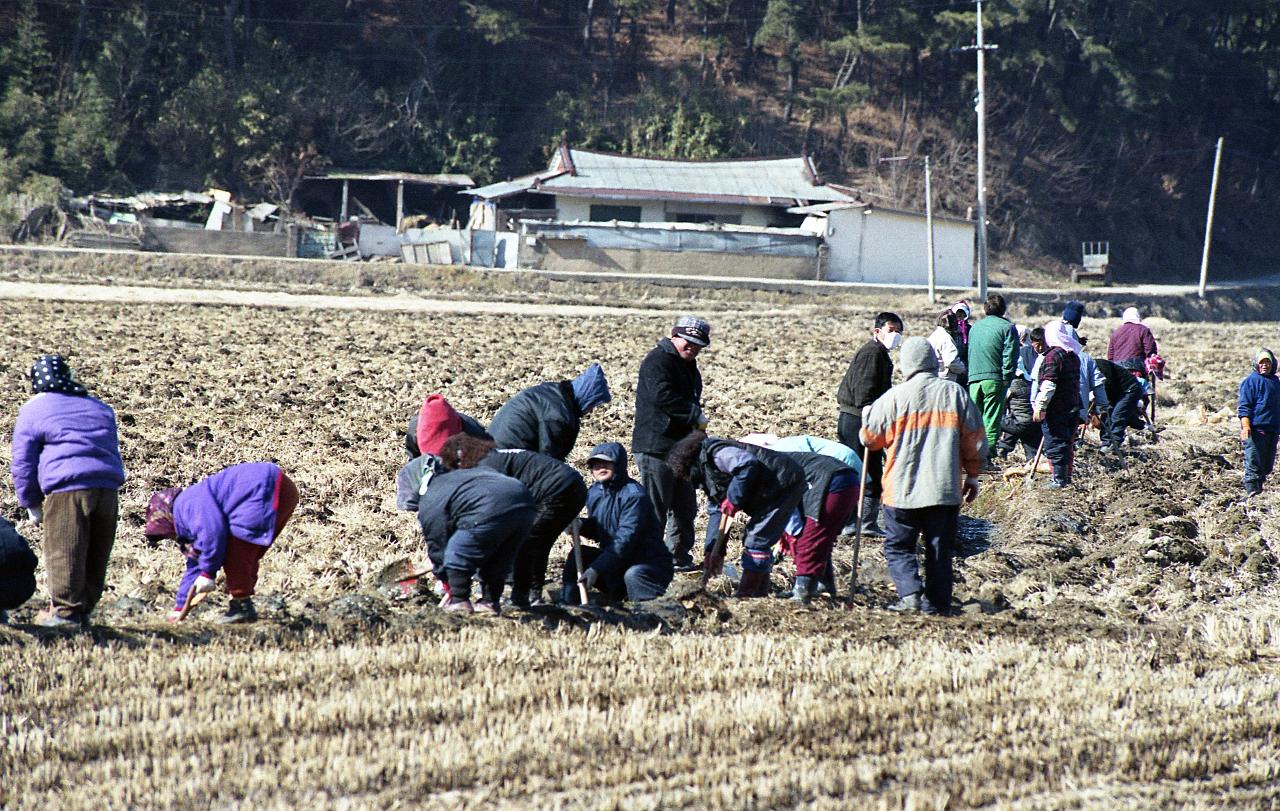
pixel 993 350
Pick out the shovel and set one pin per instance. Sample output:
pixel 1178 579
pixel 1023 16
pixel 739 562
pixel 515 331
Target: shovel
pixel 857 533
pixel 1035 465
pixel 577 558
pixel 402 576
pixel 717 551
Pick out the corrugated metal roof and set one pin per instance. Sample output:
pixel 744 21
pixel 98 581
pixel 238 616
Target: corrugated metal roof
pixel 408 177
pixel 580 172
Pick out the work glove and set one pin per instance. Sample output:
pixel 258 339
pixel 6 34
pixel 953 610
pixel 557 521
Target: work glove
pixel 36 514
pixel 866 414
pixel 589 578
pixel 727 508
pixel 1246 427
pixel 203 585
pixel 1037 416
pixel 970 490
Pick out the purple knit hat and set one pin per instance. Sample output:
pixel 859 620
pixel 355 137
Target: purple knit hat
pixel 160 515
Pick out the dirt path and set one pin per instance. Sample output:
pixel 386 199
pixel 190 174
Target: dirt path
pixel 132 294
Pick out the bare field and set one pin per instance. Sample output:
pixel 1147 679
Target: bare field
pixel 1121 646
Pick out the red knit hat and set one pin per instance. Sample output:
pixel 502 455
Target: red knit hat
pixel 437 421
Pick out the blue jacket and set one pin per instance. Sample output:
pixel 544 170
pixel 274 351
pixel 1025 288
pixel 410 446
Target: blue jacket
pixel 621 519
pixel 466 507
pixel 1260 401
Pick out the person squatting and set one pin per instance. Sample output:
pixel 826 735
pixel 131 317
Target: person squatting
pixel 492 501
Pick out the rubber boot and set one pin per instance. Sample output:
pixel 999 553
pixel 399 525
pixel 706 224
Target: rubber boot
pixel 871 518
pixel 802 591
pixel 756 566
pixel 238 612
pixel 827 582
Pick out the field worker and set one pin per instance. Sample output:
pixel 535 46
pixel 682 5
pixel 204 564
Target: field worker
pixel 1131 343
pixel 963 327
pixel 829 501
pixel 993 362
pixel 546 417
pixel 1259 413
pixel 935 446
pixel 473 521
pixel 1124 392
pixel 1018 426
pixel 17 570
pixel 870 375
pixel 632 561
pixel 1057 400
pixel 943 340
pixel 839 452
pixel 669 408
pixel 764 485
pixel 558 494
pixel 1093 386
pixel 67 472
pixel 435 422
pixel 227 521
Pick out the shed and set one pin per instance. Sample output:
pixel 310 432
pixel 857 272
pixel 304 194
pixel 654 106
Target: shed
pixel 867 243
pixel 388 196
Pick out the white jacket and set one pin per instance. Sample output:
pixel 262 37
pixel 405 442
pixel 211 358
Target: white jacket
pixel 950 367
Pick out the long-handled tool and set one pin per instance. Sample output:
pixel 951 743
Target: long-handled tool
pixel 857 532
pixel 1035 465
pixel 577 559
pixel 194 598
pixel 709 565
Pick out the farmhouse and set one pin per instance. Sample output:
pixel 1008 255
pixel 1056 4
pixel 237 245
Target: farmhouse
pixel 583 185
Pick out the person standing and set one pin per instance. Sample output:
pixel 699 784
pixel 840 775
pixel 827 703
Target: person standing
pixel 669 408
pixel 944 342
pixel 993 361
pixel 67 472
pixel 1056 405
pixel 547 417
pixel 870 374
pixel 1259 412
pixel 935 443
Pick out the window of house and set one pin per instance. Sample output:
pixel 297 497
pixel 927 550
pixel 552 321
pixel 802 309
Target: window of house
pixel 619 213
pixel 723 219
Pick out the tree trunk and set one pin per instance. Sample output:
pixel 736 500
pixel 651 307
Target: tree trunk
pixel 793 74
pixel 229 33
pixel 671 12
pixel 586 26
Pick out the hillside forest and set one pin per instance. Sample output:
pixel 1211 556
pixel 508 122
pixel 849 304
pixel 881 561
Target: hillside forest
pixel 1103 114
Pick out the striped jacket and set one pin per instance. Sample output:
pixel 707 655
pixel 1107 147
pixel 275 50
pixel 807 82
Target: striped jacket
pixel 931 432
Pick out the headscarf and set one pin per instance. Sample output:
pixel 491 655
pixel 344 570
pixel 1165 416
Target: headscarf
pixel 1265 354
pixel 51 373
pixel 160 515
pixel 1130 316
pixel 591 389
pixel 1060 334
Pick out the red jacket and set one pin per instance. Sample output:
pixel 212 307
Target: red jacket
pixel 1129 342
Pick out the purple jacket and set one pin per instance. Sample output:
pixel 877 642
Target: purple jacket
pixel 238 502
pixel 1129 342
pixel 64 442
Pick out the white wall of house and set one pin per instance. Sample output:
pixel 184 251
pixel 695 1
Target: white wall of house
pixel 889 247
pixel 579 208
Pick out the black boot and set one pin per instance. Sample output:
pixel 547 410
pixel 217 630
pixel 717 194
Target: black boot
pixel 802 591
pixel 238 612
pixel 871 518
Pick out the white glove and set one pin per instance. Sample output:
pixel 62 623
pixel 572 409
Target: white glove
pixel 36 514
pixel 866 414
pixel 589 578
pixel 203 585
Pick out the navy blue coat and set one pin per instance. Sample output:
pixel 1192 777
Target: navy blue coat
pixel 470 507
pixel 17 568
pixel 543 418
pixel 621 519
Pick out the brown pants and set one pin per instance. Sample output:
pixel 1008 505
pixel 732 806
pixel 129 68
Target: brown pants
pixel 79 531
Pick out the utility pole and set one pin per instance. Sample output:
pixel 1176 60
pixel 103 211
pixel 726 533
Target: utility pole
pixel 928 213
pixel 1208 225
pixel 980 106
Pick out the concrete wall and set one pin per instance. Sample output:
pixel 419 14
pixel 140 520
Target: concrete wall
pixel 223 243
pixel 570 209
pixel 890 247
pixel 577 255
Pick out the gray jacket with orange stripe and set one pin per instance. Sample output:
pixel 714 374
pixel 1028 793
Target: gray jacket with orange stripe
pixel 931 432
